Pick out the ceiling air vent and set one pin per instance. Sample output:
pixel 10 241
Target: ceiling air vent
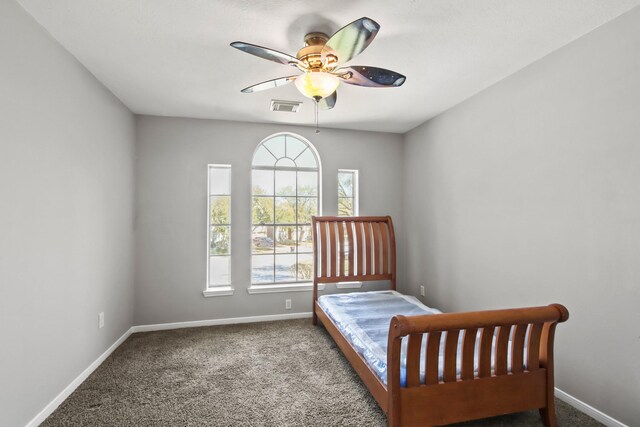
pixel 287 106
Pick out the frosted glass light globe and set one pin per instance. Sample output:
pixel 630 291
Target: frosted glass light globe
pixel 317 84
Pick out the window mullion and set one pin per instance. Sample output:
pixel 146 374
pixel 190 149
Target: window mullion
pixel 296 228
pixel 275 231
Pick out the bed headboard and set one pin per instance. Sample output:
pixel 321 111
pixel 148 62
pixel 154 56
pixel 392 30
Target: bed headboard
pixel 353 249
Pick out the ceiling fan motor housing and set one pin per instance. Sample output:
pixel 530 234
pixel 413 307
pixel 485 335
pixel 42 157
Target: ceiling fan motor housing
pixel 311 55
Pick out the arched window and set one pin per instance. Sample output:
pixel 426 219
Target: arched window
pixel 285 187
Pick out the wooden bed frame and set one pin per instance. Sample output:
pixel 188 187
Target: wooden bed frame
pixel 349 249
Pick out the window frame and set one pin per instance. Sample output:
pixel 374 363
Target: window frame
pixel 355 197
pixel 283 286
pixel 222 289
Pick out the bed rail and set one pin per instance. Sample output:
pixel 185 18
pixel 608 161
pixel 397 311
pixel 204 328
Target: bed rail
pixel 352 249
pixel 524 335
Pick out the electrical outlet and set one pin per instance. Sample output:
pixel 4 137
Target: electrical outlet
pixel 101 320
pixel 422 290
pixel 287 304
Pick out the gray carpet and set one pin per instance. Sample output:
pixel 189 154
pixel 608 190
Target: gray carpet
pixel 286 373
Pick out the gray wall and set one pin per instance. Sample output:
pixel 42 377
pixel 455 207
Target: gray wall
pixel 529 193
pixel 171 168
pixel 66 186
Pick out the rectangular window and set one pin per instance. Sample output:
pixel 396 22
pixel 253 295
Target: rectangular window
pixel 219 241
pixel 347 192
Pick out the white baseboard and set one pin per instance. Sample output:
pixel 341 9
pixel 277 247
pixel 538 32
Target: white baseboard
pixel 589 410
pixel 214 322
pixel 48 410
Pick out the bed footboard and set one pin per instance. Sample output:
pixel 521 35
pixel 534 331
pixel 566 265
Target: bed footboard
pixel 519 378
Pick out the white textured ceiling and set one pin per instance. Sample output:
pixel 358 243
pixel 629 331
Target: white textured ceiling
pixel 172 57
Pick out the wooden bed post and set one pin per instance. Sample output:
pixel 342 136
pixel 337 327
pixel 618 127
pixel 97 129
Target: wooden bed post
pixel 315 268
pixel 548 413
pixel 393 373
pixel 392 244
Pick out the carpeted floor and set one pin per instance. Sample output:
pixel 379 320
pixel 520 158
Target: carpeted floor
pixel 286 373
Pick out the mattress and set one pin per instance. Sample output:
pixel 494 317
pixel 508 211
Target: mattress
pixel 364 317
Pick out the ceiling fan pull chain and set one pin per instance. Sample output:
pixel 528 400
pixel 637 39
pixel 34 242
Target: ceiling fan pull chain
pixel 315 101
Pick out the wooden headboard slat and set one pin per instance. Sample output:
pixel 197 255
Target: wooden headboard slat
pixel 378 240
pixel 341 245
pixel 349 227
pixel 358 250
pixel 368 248
pixel 332 248
pixel 322 248
pixel 385 250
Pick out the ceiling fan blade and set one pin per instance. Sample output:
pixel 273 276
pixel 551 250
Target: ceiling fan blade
pixel 269 84
pixel 350 40
pixel 270 54
pixel 370 76
pixel 328 102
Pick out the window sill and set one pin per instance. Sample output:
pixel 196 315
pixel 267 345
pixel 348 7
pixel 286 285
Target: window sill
pixel 270 289
pixel 218 291
pixel 349 285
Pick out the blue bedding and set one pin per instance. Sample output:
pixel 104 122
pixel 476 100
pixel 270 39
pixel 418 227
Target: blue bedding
pixel 364 317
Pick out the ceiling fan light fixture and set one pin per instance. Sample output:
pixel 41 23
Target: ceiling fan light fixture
pixel 317 84
pixel 322 60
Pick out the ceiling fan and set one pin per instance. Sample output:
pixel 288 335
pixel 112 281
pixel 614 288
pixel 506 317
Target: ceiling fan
pixel 321 61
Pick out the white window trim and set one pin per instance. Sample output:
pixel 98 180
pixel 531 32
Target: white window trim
pixel 218 291
pixel 221 289
pixel 278 288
